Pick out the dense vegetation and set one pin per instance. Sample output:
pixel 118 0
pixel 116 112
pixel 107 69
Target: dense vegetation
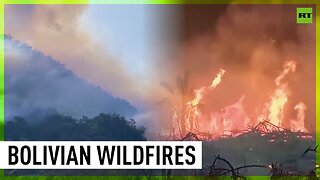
pixel 59 127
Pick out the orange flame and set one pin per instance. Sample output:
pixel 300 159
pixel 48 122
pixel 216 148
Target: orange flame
pixel 279 97
pixel 298 124
pixel 233 119
pixel 277 104
pixel 217 80
pixel 192 106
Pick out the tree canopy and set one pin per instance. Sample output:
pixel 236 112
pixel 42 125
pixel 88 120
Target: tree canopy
pixel 103 127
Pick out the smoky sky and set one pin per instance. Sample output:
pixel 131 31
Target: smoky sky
pixel 67 33
pixel 251 42
pixel 203 18
pixel 199 19
pixel 37 85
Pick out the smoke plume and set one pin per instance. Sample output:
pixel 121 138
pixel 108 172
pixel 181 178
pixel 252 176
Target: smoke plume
pixel 251 42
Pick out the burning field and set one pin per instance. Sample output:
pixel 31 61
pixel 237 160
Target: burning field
pixel 226 77
pixel 232 120
pixel 245 88
pixel 240 78
pixel 236 143
pixel 213 70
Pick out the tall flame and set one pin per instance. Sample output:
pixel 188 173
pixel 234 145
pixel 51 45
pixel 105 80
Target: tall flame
pixel 277 104
pixel 279 97
pixel 192 106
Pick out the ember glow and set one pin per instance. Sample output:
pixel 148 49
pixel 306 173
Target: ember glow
pixel 232 120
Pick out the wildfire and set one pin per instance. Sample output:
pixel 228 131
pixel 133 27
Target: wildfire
pixel 298 124
pixel 279 97
pixel 277 104
pixel 199 93
pixel 216 81
pixel 192 106
pixel 233 119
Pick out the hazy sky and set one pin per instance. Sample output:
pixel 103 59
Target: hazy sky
pixel 111 46
pixel 126 32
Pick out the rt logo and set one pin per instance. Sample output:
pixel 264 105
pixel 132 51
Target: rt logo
pixel 304 15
